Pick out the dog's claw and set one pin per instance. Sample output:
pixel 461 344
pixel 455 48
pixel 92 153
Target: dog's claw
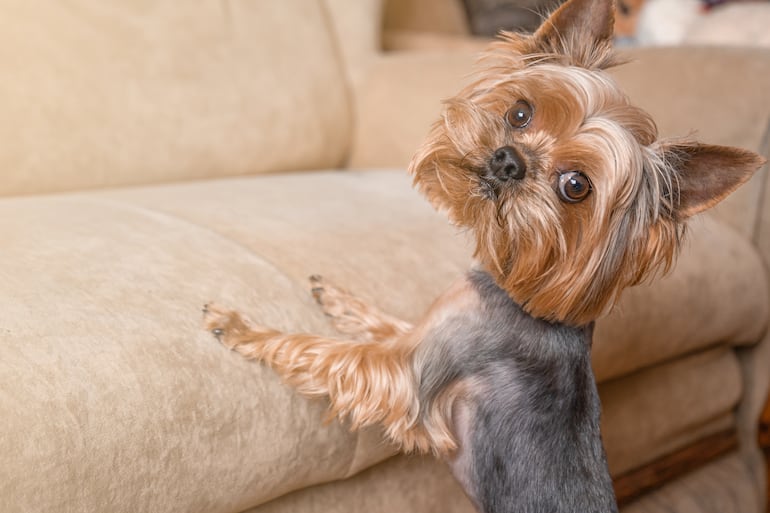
pixel 317 287
pixel 213 318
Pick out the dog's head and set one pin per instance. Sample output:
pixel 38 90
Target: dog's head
pixel 565 184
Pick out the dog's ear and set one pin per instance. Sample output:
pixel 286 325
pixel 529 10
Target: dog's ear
pixel 705 174
pixel 580 29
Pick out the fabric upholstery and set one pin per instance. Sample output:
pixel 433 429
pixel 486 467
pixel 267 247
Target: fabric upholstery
pixel 398 100
pixel 720 487
pixel 655 412
pixel 755 369
pixel 402 484
pixel 121 398
pixel 357 29
pixel 100 94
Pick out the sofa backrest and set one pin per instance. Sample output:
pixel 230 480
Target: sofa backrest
pixel 101 94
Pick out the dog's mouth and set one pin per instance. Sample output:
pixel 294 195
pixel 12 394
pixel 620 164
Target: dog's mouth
pixel 489 187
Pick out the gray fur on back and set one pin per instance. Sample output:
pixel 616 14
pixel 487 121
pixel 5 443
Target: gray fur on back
pixel 530 440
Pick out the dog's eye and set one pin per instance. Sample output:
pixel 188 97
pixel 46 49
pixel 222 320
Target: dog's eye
pixel 574 186
pixel 520 114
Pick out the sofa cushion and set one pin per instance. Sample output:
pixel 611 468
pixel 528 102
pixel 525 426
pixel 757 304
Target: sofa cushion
pixel 724 486
pixel 357 26
pixel 107 93
pixel 404 484
pixel 114 395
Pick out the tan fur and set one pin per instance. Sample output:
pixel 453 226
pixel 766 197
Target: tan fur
pixel 352 316
pixel 368 383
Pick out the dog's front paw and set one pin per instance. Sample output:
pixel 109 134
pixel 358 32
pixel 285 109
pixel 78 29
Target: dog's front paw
pixel 226 325
pixel 334 302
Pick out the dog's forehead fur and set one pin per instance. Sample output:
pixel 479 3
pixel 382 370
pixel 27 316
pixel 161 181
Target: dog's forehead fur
pixel 564 98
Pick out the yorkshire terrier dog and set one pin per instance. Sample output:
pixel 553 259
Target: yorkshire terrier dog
pixel 571 198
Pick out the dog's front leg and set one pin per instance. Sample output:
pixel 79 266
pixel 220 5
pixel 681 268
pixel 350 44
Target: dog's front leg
pixel 367 383
pixel 374 381
pixel 354 317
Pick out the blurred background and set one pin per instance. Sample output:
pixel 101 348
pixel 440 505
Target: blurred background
pixel 638 22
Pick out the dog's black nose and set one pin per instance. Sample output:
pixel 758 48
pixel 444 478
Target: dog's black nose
pixel 507 163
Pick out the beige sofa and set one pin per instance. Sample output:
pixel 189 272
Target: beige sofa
pixel 158 155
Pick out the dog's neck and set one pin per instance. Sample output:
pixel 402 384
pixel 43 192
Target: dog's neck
pixel 528 421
